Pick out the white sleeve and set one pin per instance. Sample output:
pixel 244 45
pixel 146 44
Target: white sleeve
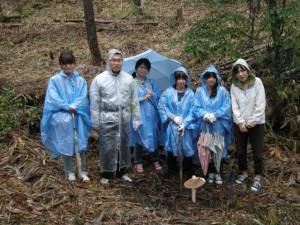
pixel 236 112
pixel 260 103
pixel 95 103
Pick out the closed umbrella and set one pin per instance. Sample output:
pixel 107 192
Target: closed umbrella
pixel 203 152
pixel 161 67
pixel 215 144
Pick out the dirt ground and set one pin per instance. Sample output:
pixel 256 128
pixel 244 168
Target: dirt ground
pixel 33 188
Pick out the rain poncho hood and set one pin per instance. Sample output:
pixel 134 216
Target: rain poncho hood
pixel 251 76
pixel 109 56
pixel 57 126
pixel 114 104
pixel 212 69
pixel 172 77
pixel 218 105
pixel 169 106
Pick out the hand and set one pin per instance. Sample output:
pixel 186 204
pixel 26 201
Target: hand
pixel 243 128
pixel 206 117
pixel 71 110
pixel 181 129
pixel 135 125
pixel 212 118
pixel 178 120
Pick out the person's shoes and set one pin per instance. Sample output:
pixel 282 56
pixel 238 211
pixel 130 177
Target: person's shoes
pixel 84 177
pixel 256 185
pixel 71 177
pixel 218 179
pixel 241 179
pixel 125 177
pixel 139 168
pixel 211 178
pixel 157 166
pixel 104 181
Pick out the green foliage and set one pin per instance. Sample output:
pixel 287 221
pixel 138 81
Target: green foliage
pixel 15 113
pixel 207 36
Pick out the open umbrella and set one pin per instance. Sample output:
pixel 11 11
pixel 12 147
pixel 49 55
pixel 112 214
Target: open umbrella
pixel 203 152
pixel 161 67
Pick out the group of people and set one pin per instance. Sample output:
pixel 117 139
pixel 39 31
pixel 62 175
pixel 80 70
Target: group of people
pixel 128 109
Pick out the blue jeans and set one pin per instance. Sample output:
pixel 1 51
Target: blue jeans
pixel 68 163
pixel 138 155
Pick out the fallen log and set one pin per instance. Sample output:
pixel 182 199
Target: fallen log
pixel 9 18
pixel 154 23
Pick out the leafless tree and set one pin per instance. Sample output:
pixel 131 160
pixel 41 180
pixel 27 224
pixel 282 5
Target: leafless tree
pixel 91 32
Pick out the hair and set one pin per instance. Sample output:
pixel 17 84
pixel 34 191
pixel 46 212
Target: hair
pixel 237 67
pixel 144 61
pixel 214 89
pixel 178 75
pixel 66 58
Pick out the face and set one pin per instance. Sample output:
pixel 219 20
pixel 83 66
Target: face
pixel 242 75
pixel 142 70
pixel 115 63
pixel 211 81
pixel 68 68
pixel 180 83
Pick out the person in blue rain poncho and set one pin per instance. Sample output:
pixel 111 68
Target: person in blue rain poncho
pixel 146 136
pixel 175 110
pixel 114 104
pixel 212 109
pixel 66 95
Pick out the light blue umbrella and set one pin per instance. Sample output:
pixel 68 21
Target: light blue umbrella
pixel 161 67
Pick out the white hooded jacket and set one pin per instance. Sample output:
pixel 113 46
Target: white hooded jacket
pixel 248 104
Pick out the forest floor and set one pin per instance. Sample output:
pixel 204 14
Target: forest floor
pixel 33 188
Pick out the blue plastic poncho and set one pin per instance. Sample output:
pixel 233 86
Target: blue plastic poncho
pixel 148 134
pixel 218 105
pixel 169 106
pixel 57 125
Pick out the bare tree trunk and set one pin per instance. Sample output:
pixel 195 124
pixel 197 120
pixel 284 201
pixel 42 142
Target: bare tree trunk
pixel 91 32
pixel 276 26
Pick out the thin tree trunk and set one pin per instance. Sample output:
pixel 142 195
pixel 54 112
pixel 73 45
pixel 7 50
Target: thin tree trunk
pixel 91 32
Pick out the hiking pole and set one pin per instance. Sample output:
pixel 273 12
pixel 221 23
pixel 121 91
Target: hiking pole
pixel 180 159
pixel 78 159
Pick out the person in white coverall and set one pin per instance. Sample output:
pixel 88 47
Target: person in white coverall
pixel 114 102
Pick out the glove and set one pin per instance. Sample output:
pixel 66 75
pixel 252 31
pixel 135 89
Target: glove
pixel 206 117
pixel 136 125
pixel 181 129
pixel 212 118
pixel 178 120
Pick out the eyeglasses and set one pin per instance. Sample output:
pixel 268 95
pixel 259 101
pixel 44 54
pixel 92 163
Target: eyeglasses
pixel 116 60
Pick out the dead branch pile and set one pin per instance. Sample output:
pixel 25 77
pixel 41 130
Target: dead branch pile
pixel 34 189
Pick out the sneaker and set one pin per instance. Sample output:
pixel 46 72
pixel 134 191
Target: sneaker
pixel 104 181
pixel 157 166
pixel 125 177
pixel 84 177
pixel 256 185
pixel 139 168
pixel 241 179
pixel 71 177
pixel 218 179
pixel 211 178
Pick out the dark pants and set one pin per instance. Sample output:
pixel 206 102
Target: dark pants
pixel 256 137
pixel 187 164
pixel 138 155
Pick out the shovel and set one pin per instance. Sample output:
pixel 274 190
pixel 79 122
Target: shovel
pixel 77 155
pixel 180 159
